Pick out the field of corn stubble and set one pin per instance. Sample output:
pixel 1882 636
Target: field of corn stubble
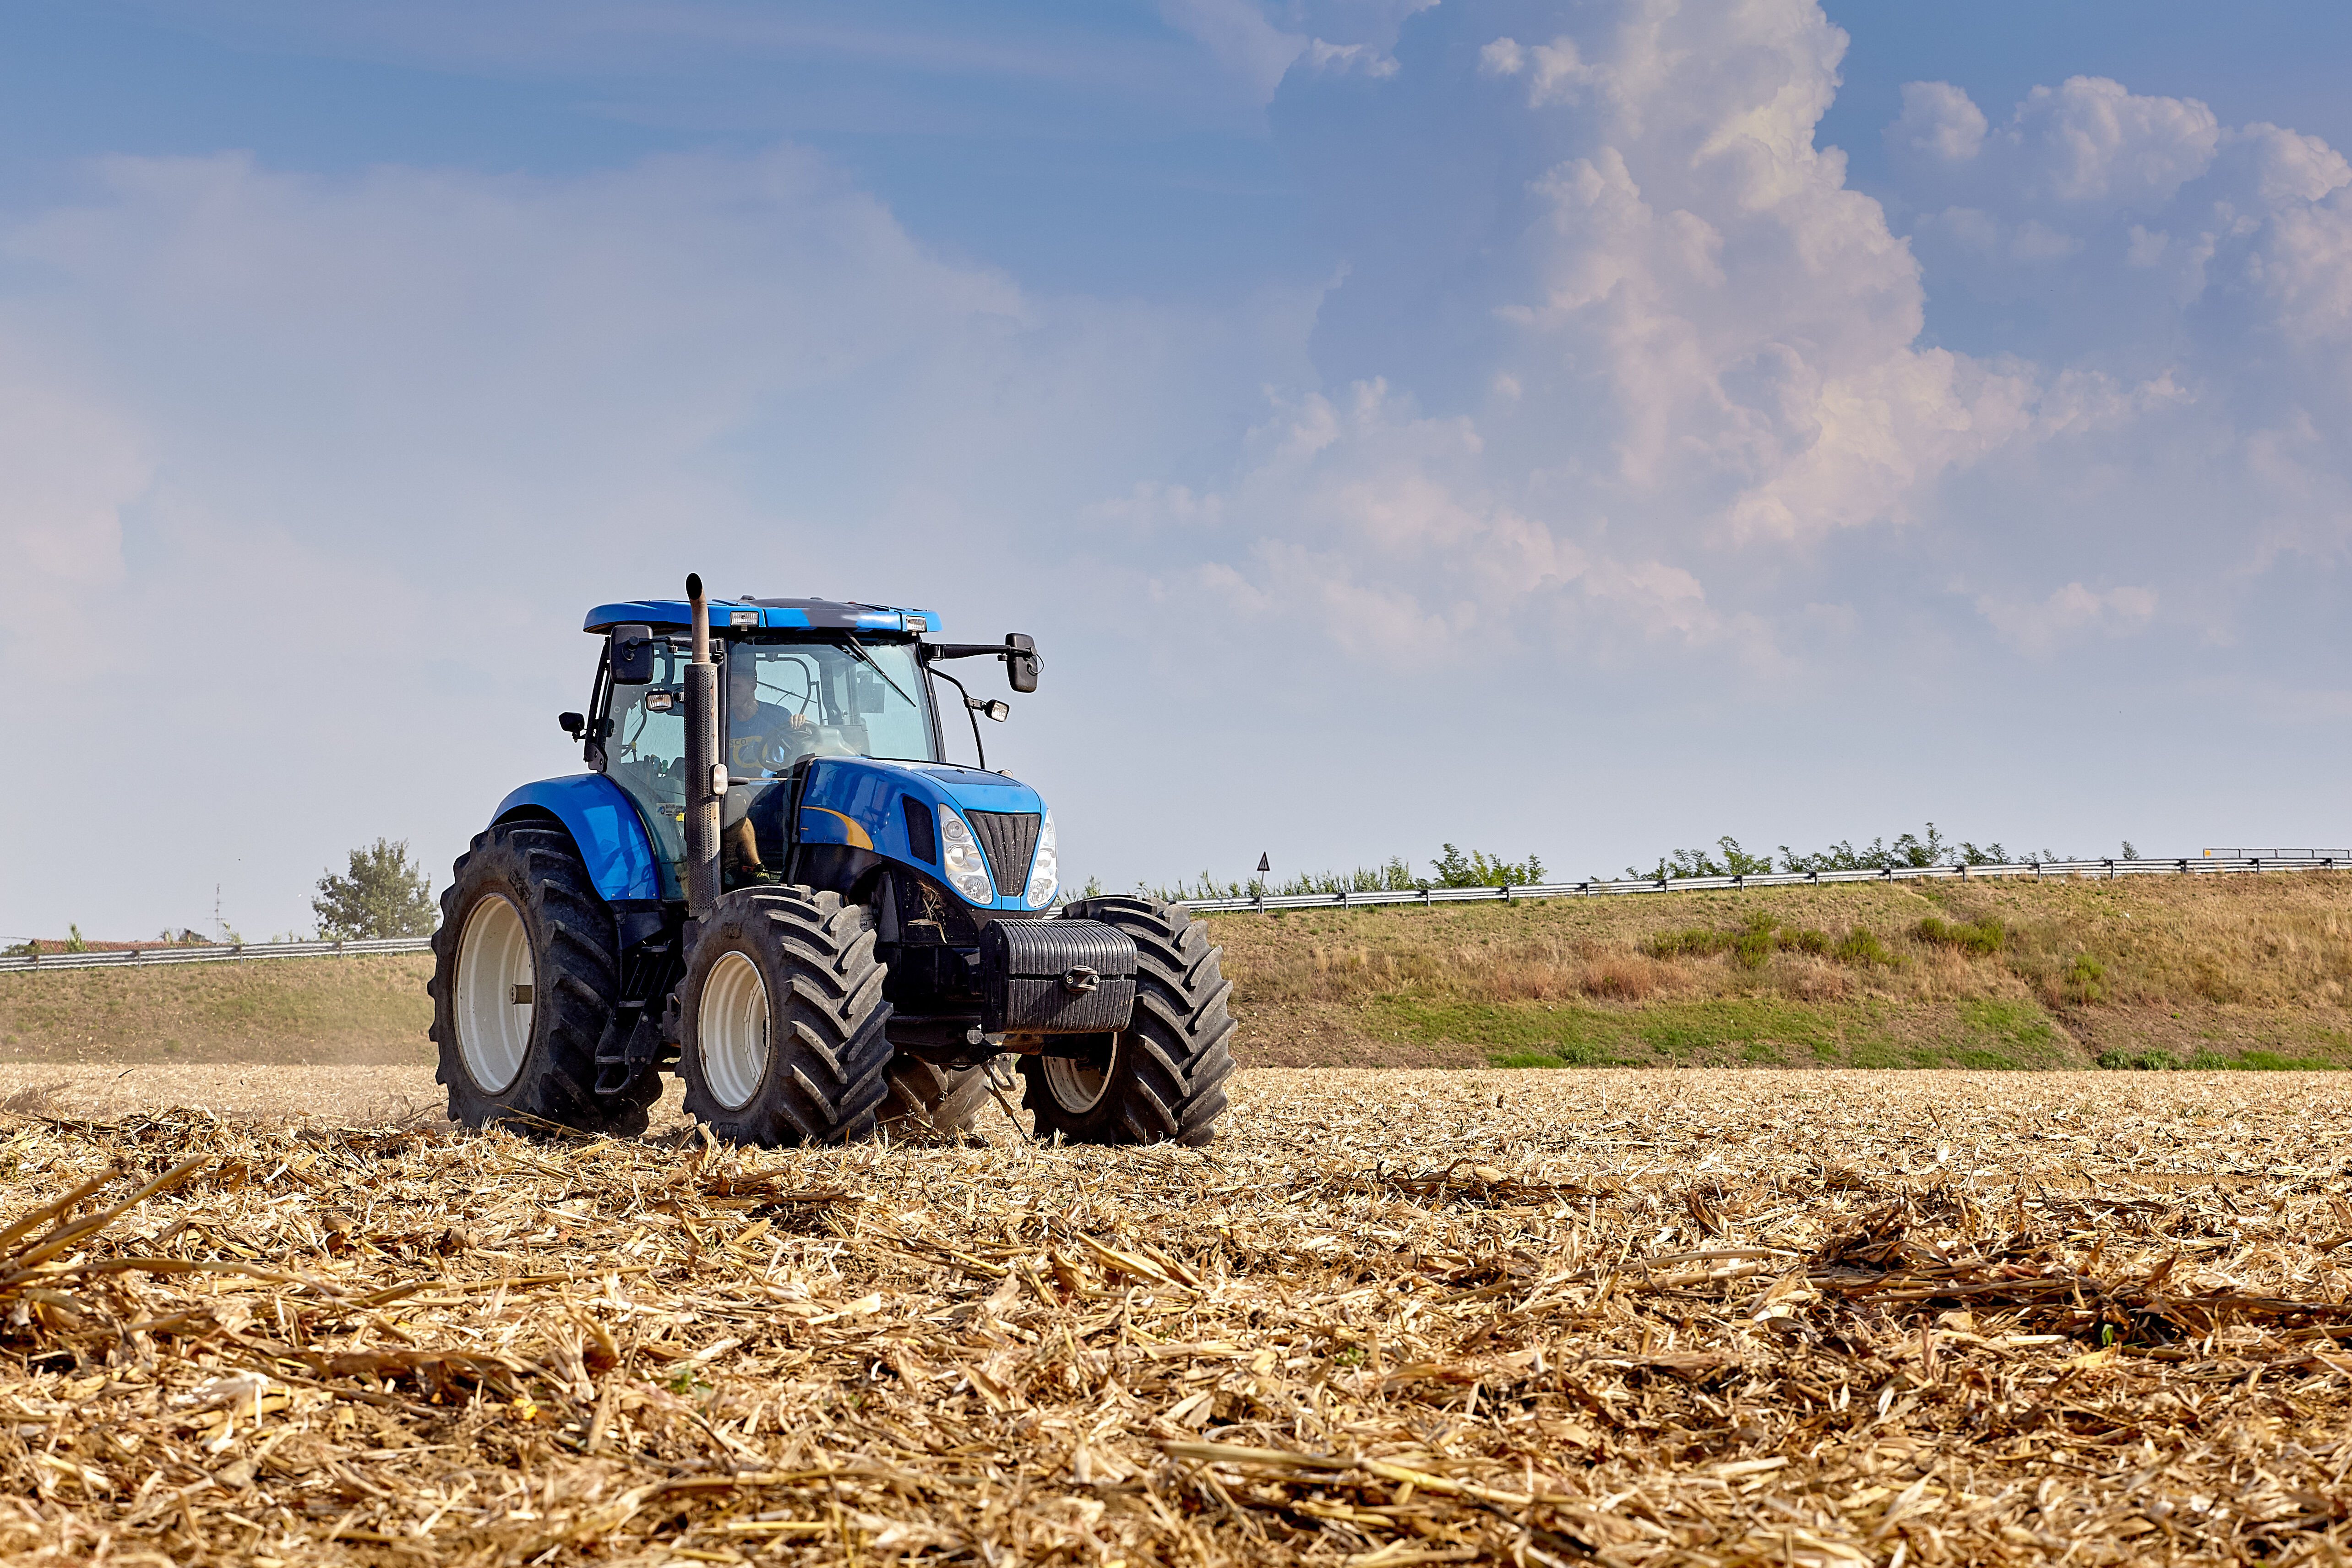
pixel 1389 1318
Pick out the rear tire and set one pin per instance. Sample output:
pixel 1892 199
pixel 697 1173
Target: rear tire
pixel 521 919
pixel 779 1020
pixel 1163 1079
pixel 928 1098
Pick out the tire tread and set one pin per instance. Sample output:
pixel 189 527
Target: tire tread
pixel 828 1072
pixel 1169 1075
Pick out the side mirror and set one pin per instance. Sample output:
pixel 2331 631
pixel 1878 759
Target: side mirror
pixel 633 656
pixel 572 723
pixel 1021 661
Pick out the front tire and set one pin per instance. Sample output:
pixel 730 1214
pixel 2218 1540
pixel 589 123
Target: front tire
pixel 779 1020
pixel 526 975
pixel 1162 1077
pixel 928 1098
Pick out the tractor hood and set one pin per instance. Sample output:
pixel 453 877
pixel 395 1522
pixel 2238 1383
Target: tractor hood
pixel 862 802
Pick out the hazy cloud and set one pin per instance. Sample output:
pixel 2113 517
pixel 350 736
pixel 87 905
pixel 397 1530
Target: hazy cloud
pixel 2042 627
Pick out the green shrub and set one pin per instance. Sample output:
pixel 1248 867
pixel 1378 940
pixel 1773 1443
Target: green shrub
pixel 1752 945
pixel 1453 868
pixel 2089 978
pixel 1692 943
pixel 1908 851
pixel 1984 938
pixel 1479 870
pixel 1860 945
pixel 1734 862
pixel 2138 1061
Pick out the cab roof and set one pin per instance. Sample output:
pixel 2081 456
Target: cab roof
pixel 772 615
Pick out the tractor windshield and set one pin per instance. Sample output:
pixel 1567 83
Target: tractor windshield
pixel 786 701
pixel 780 701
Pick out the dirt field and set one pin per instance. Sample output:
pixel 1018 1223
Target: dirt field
pixel 1637 1317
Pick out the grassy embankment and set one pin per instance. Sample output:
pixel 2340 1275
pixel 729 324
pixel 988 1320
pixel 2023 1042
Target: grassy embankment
pixel 2158 971
pixel 2205 971
pixel 370 1010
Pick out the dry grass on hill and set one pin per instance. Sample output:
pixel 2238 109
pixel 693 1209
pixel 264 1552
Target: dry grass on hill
pixel 2188 966
pixel 1545 1317
pixel 359 1010
pixel 2190 969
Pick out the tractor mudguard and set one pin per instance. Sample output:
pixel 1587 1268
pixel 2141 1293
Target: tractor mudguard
pixel 603 825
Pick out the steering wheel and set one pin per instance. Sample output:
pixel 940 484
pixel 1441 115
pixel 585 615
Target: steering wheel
pixel 778 753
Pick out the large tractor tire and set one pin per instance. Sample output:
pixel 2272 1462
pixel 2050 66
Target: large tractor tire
pixel 780 1019
pixel 525 974
pixel 928 1098
pixel 1162 1077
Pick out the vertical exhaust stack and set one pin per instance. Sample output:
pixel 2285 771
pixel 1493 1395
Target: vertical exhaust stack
pixel 705 785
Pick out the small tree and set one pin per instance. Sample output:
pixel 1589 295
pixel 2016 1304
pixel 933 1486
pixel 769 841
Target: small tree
pixel 383 896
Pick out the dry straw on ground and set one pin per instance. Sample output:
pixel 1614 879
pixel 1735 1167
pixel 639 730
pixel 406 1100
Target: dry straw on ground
pixel 1390 1317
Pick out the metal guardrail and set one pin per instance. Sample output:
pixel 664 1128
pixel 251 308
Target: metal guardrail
pixel 216 952
pixel 2245 854
pixel 2184 865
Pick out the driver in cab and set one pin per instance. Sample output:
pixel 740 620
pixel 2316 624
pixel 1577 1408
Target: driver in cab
pixel 760 736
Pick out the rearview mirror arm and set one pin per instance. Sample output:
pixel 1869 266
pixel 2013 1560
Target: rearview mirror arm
pixel 1018 651
pixel 978 745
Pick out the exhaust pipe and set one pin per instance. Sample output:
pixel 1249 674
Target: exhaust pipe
pixel 706 785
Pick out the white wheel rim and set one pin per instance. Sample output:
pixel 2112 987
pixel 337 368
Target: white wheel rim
pixel 732 1031
pixel 1076 1086
pixel 493 968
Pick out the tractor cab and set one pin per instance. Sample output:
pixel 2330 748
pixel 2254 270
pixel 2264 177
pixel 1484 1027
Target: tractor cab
pixel 789 694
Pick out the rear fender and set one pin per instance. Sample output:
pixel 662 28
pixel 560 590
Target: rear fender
pixel 602 824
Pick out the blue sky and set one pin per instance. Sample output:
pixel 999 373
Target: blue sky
pixel 1577 428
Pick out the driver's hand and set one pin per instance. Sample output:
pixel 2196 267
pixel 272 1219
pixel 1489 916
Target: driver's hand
pixel 801 721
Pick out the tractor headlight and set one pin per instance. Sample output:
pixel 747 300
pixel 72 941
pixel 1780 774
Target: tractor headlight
pixel 1044 872
pixel 961 859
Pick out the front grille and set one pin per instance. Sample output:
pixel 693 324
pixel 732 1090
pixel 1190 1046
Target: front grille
pixel 1008 839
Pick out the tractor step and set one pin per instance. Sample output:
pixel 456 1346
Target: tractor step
pixel 642 1050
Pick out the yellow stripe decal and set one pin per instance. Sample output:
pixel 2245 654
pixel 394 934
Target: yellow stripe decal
pixel 858 837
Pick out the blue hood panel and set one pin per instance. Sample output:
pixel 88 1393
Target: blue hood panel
pixel 850 798
pixel 855 801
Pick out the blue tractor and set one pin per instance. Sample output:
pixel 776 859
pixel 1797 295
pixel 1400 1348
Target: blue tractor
pixel 772 880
